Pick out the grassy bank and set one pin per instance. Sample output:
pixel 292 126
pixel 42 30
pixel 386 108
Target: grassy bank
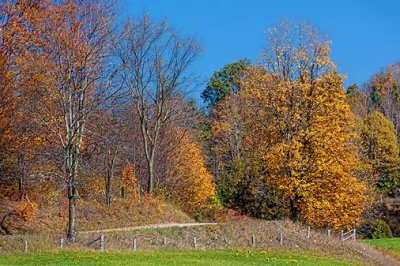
pixel 390 246
pixel 210 257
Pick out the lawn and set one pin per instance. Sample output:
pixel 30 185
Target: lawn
pixel 390 245
pixel 192 258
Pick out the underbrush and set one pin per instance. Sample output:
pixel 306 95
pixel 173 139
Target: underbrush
pixel 46 210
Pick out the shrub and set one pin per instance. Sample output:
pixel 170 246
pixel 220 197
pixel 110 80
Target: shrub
pixel 381 230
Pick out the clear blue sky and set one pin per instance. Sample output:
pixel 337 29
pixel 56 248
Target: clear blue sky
pixel 365 34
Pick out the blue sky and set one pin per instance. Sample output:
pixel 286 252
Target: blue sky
pixel 365 34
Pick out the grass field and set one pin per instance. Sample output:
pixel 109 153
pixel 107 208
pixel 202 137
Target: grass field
pixel 192 258
pixel 390 246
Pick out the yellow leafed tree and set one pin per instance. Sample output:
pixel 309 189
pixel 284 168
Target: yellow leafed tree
pixel 189 182
pixel 381 150
pixel 299 122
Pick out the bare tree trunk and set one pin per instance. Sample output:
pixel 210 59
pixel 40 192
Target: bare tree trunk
pixel 109 163
pixel 71 171
pixel 150 180
pixel 108 189
pixel 72 197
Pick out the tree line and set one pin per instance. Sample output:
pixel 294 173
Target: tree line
pixel 286 139
pixel 81 95
pixel 85 97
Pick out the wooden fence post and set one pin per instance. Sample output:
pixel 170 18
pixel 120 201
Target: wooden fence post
pixel 341 235
pixel 281 239
pixel 26 246
pixel 62 243
pixel 354 234
pixel 253 241
pixel 308 232
pixel 329 233
pixel 134 244
pixel 165 243
pixel 194 242
pixel 102 242
pixel 226 242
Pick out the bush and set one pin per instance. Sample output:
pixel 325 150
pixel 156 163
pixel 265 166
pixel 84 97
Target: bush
pixel 381 230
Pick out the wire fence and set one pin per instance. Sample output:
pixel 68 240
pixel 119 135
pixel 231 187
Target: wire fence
pixel 210 237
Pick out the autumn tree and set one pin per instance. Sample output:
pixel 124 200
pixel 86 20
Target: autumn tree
pixel 379 142
pixel 300 124
pixel 129 178
pixel 19 136
pixel 155 60
pixel 75 81
pixel 189 182
pixel 222 130
pixel 383 92
pixel 105 143
pixel 358 101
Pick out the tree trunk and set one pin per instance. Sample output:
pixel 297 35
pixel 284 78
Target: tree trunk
pixel 150 181
pixel 108 187
pixel 295 214
pixel 71 171
pixel 109 165
pixel 72 197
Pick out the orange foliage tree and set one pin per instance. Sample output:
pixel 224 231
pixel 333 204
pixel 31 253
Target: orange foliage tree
pixel 74 81
pixel 298 121
pixel 129 178
pixel 189 182
pixel 19 31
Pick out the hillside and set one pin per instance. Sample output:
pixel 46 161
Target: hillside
pixel 223 236
pixel 92 215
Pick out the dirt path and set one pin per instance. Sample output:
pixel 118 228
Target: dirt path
pixel 151 226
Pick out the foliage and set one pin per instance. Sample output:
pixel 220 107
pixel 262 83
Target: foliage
pixel 357 101
pixel 383 93
pixel 223 82
pixel 127 174
pixel 380 229
pixel 303 153
pixel 379 142
pixel 238 173
pixel 300 125
pixel 189 182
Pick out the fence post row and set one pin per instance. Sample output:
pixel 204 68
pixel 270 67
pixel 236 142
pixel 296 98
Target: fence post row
pixel 352 234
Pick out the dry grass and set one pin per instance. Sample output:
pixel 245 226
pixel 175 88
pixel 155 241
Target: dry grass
pixel 238 234
pixel 93 215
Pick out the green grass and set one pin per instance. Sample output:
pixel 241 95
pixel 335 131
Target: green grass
pixel 192 258
pixel 389 245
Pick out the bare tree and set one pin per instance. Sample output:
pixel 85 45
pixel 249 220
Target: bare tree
pixel 155 61
pixel 78 79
